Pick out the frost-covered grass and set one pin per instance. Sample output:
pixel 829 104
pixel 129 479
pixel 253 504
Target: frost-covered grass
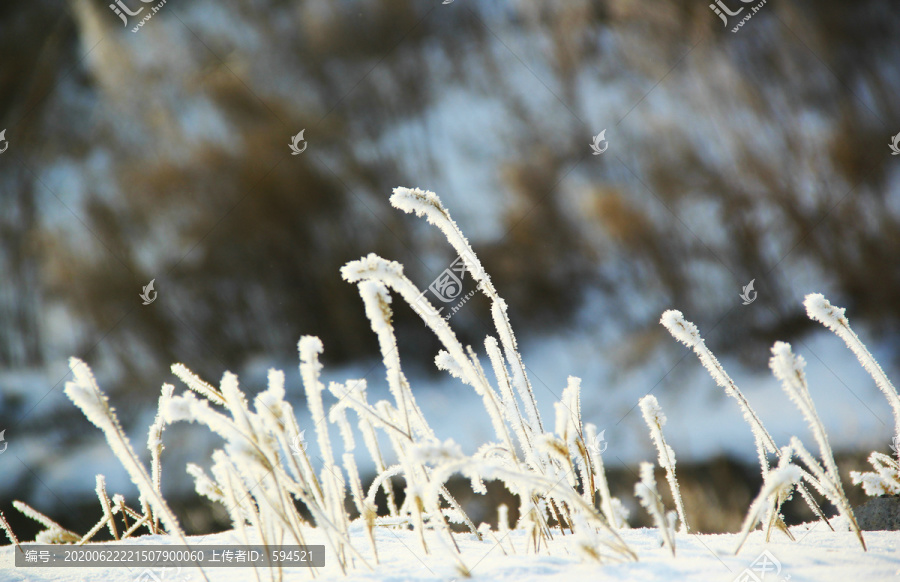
pixel 268 483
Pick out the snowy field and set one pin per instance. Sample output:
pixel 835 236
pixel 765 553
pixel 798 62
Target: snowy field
pixel 818 555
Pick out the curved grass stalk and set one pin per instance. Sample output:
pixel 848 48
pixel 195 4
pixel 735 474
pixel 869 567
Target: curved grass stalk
pixel 427 204
pixel 655 419
pixel 647 493
pixel 820 309
pixel 85 393
pixel 688 334
pixel 790 370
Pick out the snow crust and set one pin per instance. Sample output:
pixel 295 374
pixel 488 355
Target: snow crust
pixel 818 555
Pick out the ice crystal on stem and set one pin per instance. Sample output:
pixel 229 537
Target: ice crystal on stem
pixel 655 419
pixel 649 497
pixel 687 333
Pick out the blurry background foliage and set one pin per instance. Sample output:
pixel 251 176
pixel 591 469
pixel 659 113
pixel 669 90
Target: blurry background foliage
pixel 163 154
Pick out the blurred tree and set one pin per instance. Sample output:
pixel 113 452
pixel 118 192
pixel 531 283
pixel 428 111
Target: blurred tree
pixel 756 155
pixel 163 154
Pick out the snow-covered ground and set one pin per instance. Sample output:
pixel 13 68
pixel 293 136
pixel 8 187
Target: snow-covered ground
pixel 818 555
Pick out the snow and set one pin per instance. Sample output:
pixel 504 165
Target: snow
pixel 681 329
pixel 818 555
pixel 820 309
pixel 656 419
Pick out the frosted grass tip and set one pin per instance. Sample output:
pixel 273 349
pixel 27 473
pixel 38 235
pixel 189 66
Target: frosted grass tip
pixel 821 310
pixel 680 328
